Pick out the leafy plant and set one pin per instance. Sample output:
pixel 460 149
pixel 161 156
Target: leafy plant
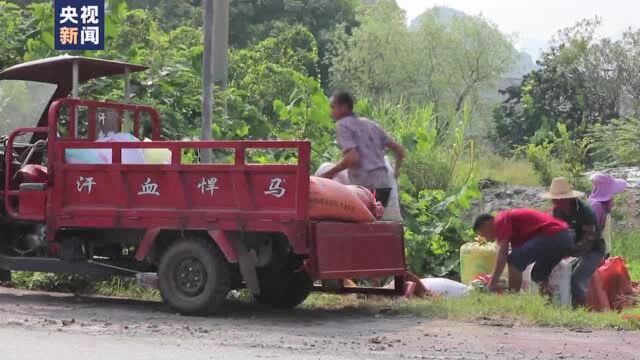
pixel 435 142
pixel 435 230
pixel 560 155
pixel 306 116
pixel 616 143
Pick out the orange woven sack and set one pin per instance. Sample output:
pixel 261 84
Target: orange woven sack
pixel 616 282
pixel 330 200
pixel 596 296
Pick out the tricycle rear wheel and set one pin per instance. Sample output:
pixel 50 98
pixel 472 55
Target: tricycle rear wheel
pixel 283 289
pixel 193 276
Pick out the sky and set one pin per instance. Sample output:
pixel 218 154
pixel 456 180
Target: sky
pixel 535 22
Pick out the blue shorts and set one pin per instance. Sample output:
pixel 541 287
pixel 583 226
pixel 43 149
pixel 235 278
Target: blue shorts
pixel 544 250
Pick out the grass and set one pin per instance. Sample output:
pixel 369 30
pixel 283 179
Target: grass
pixel 627 245
pixel 524 310
pixel 126 288
pixel 510 171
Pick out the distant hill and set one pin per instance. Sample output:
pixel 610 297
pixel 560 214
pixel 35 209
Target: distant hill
pixel 524 62
pixel 445 14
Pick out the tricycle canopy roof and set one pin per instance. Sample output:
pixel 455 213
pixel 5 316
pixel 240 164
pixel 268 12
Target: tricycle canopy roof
pixel 58 70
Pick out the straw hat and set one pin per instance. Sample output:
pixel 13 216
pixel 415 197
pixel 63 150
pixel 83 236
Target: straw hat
pixel 561 189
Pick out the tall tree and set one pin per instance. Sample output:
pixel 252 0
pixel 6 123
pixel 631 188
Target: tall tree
pixel 582 81
pixel 437 62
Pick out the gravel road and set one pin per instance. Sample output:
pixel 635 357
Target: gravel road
pixel 36 325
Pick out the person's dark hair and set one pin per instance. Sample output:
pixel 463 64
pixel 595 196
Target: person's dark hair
pixel 344 98
pixel 481 220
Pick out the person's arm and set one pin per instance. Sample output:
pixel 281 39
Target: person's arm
pixel 600 212
pixel 589 230
pixel 398 151
pixel 501 263
pixel 350 159
pixel 586 242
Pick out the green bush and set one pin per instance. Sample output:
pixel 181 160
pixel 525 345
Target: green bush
pixel 434 229
pixel 617 142
pixel 559 155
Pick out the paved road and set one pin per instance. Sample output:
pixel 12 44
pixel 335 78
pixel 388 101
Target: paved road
pixel 54 345
pixel 48 326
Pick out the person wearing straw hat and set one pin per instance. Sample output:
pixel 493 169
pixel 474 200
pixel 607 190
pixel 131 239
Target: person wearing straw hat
pixel 589 247
pixel 605 187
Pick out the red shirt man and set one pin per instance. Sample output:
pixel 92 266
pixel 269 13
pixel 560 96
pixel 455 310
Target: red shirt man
pixel 534 236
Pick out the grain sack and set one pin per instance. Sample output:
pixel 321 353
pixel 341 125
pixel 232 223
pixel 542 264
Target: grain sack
pixel 368 199
pixel 330 200
pixel 342 177
pixel 392 210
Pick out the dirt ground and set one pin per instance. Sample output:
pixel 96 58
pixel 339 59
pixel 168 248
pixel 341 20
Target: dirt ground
pixel 62 326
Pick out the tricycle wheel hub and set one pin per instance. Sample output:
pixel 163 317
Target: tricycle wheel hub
pixel 190 276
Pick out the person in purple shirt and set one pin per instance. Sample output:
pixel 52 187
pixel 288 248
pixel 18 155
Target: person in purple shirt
pixel 605 187
pixel 363 144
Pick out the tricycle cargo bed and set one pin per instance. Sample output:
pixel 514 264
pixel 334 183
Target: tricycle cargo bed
pixel 357 250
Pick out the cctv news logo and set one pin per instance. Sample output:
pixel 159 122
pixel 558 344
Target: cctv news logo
pixel 79 24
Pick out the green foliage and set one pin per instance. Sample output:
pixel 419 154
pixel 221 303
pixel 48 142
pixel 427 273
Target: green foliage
pixel 542 160
pixel 306 116
pixel 435 230
pixel 626 244
pixel 560 155
pixel 439 63
pixel 268 70
pixel 14 20
pixel 616 143
pixel 508 170
pixel 252 20
pixel 51 282
pixel 583 81
pixel 127 288
pixel 435 142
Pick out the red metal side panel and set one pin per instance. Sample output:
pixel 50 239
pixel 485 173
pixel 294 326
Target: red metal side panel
pixel 347 250
pixel 32 203
pixel 214 197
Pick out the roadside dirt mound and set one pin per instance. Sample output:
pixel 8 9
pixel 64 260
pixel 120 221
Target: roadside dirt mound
pixel 498 196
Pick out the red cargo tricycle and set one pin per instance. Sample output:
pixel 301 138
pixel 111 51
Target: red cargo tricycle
pixel 205 227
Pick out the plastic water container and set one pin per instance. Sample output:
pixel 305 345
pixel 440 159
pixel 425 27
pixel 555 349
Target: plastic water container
pixel 559 282
pixel 478 258
pixel 528 286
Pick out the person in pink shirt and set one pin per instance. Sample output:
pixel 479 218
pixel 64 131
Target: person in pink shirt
pixel 605 187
